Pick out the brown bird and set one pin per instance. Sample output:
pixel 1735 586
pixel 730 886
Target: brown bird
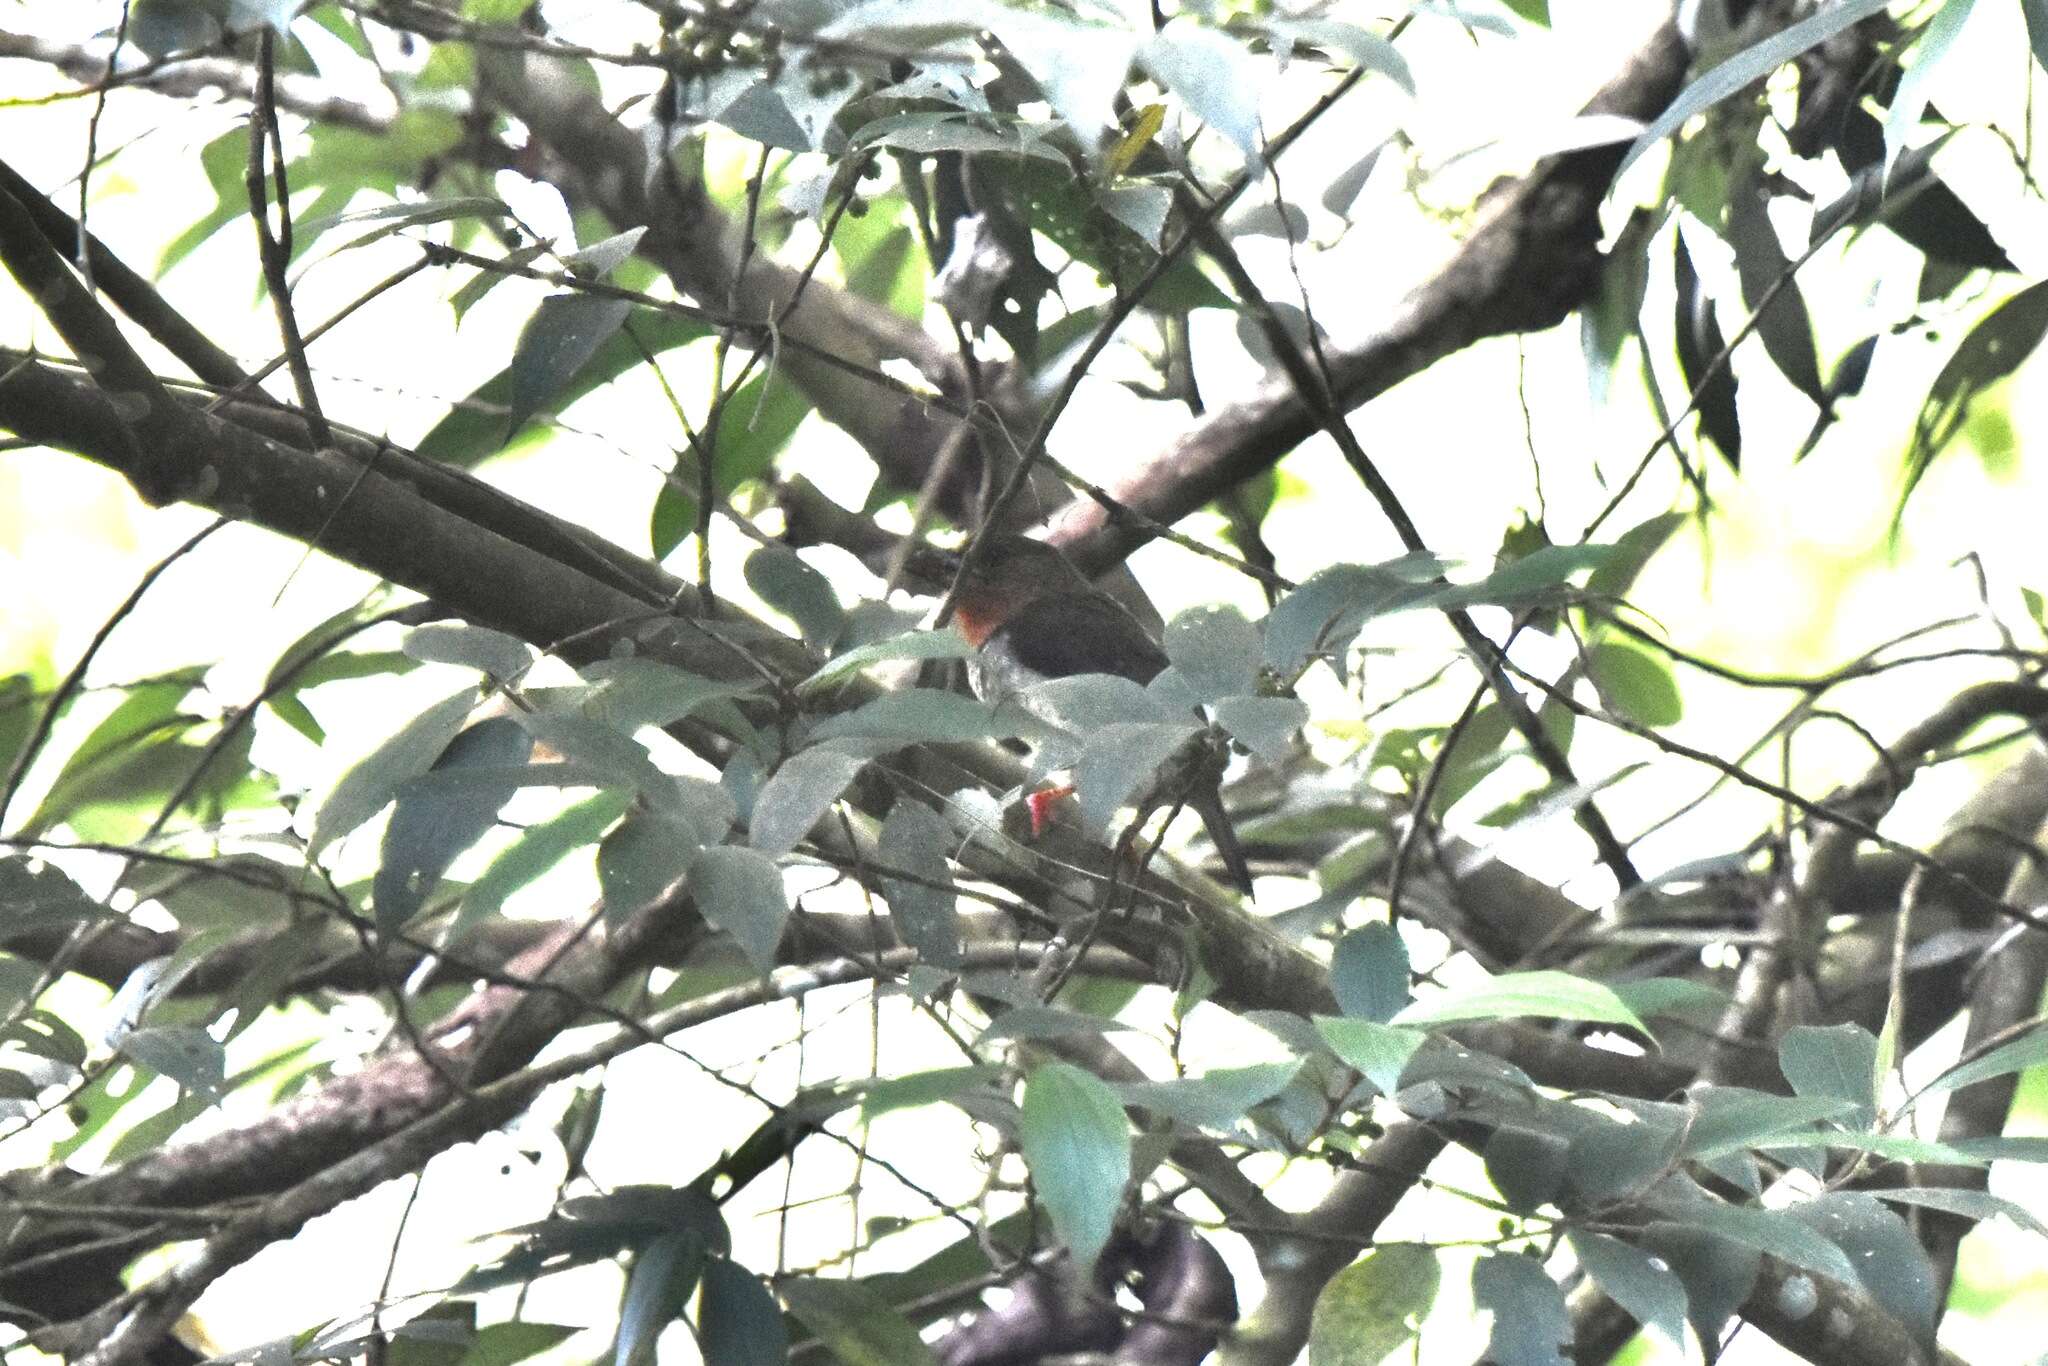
pixel 1030 616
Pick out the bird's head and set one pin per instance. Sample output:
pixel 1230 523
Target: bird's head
pixel 1003 574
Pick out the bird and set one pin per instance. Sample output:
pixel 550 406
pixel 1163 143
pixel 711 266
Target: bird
pixel 1030 616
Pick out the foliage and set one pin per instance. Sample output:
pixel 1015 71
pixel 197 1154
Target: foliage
pixel 1084 1069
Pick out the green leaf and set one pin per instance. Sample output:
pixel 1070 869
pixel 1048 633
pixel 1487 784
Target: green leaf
pixel 1216 651
pixel 632 693
pixel 663 1277
pixel 475 427
pixel 506 1344
pixel 1888 1260
pixel 740 891
pixel 1267 726
pixel 1542 994
pixel 1634 683
pixel 1119 763
pixel 186 1054
pixel 1747 66
pixel 1369 972
pixel 753 427
pixel 1530 578
pixel 1077 1145
pixel 1364 1311
pixel 1728 1118
pixel 1328 610
pixel 1774 1232
pixel 1970 1204
pixel 911 645
pixel 790 586
pixel 1992 350
pixel 1045 1022
pixel 431 826
pixel 1212 1100
pixel 538 849
pixel 924 1088
pixel 915 839
pixel 2028 1050
pixel 855 1323
pixel 738 1321
pixel 640 860
pixel 1909 101
pixel 1214 76
pixel 1641 1284
pixel 492 653
pixel 1530 1321
pixel 375 779
pixel 915 715
pixel 797 796
pixel 1379 1051
pixel 1836 1060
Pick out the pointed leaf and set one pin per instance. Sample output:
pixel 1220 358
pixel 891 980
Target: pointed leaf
pixel 1530 1322
pixel 740 891
pixel 1638 1281
pixel 738 1321
pixel 374 780
pixel 798 794
pixel 855 1323
pixel 916 839
pixel 1364 1311
pixel 1379 1051
pixel 1077 1145
pixel 1542 994
pixel 1750 64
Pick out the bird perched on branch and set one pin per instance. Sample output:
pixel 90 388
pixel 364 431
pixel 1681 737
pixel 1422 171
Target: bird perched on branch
pixel 1030 616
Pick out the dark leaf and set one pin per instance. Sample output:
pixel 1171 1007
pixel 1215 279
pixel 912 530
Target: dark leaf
pixel 1527 1166
pixel 855 1323
pixel 1994 348
pixel 663 1277
pixel 1369 972
pixel 430 827
pixel 1717 1274
pixel 1887 1258
pixel 1530 1322
pixel 1746 66
pixel 475 427
pixel 1700 344
pixel 740 891
pixel 738 1321
pixel 798 795
pixel 1643 1284
pixel 916 839
pixel 1783 324
pixel 1838 1061
pixel 375 779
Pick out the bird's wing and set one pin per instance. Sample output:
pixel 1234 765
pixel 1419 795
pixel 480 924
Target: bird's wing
pixel 1078 633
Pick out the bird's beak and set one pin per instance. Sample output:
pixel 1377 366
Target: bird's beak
pixel 932 564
